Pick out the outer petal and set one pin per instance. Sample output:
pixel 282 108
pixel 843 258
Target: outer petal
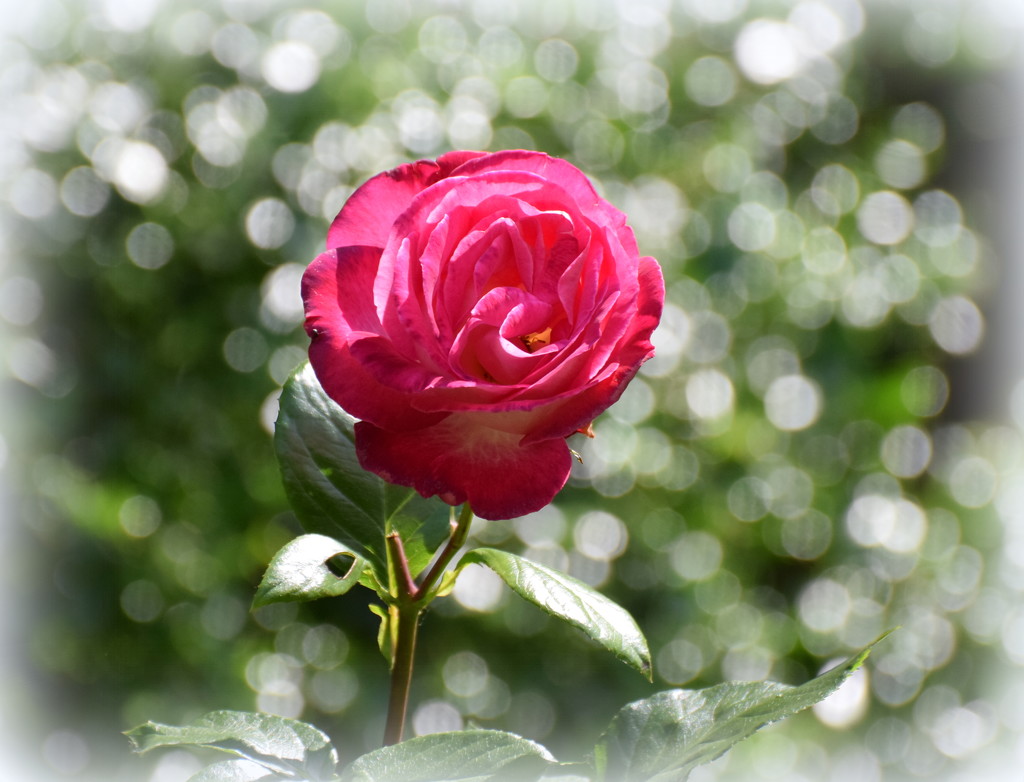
pixel 460 461
pixel 367 216
pixel 570 415
pixel 336 289
pixel 650 302
pixel 362 395
pixel 337 292
pixel 551 169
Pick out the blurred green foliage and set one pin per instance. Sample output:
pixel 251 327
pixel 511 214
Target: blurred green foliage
pixel 783 482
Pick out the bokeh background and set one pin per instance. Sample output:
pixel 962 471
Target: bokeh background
pixel 828 443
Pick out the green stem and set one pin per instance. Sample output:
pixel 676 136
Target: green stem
pixel 460 531
pixel 410 602
pixel 402 580
pixel 401 672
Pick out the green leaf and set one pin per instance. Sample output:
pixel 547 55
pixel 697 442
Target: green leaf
pixel 370 579
pixel 303 570
pixel 328 489
pixel 235 771
pixel 291 748
pixel 469 756
pixel 571 600
pixel 666 736
pixel 385 631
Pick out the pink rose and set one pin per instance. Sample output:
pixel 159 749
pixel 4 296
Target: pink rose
pixel 474 312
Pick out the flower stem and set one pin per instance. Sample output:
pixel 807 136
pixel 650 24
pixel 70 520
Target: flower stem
pixel 410 602
pixel 401 672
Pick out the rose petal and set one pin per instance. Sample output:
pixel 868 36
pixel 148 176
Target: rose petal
pixel 476 254
pixel 461 461
pixel 461 395
pixel 506 248
pixel 359 392
pixel 650 299
pixel 480 195
pixel 399 288
pixel 406 314
pixel 379 357
pixel 490 346
pixel 336 291
pixel 367 216
pixel 569 178
pixel 576 373
pixel 576 411
pixel 351 270
pixel 635 348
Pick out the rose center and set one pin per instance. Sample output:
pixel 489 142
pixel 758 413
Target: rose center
pixel 537 339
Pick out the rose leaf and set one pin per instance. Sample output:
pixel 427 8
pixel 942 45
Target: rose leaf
pixel 385 631
pixel 293 749
pixel 235 771
pixel 307 568
pixel 566 598
pixel 666 736
pixel 328 489
pixel 477 755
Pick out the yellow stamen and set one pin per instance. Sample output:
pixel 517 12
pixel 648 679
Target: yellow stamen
pixel 536 340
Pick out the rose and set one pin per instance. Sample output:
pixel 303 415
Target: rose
pixel 474 312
